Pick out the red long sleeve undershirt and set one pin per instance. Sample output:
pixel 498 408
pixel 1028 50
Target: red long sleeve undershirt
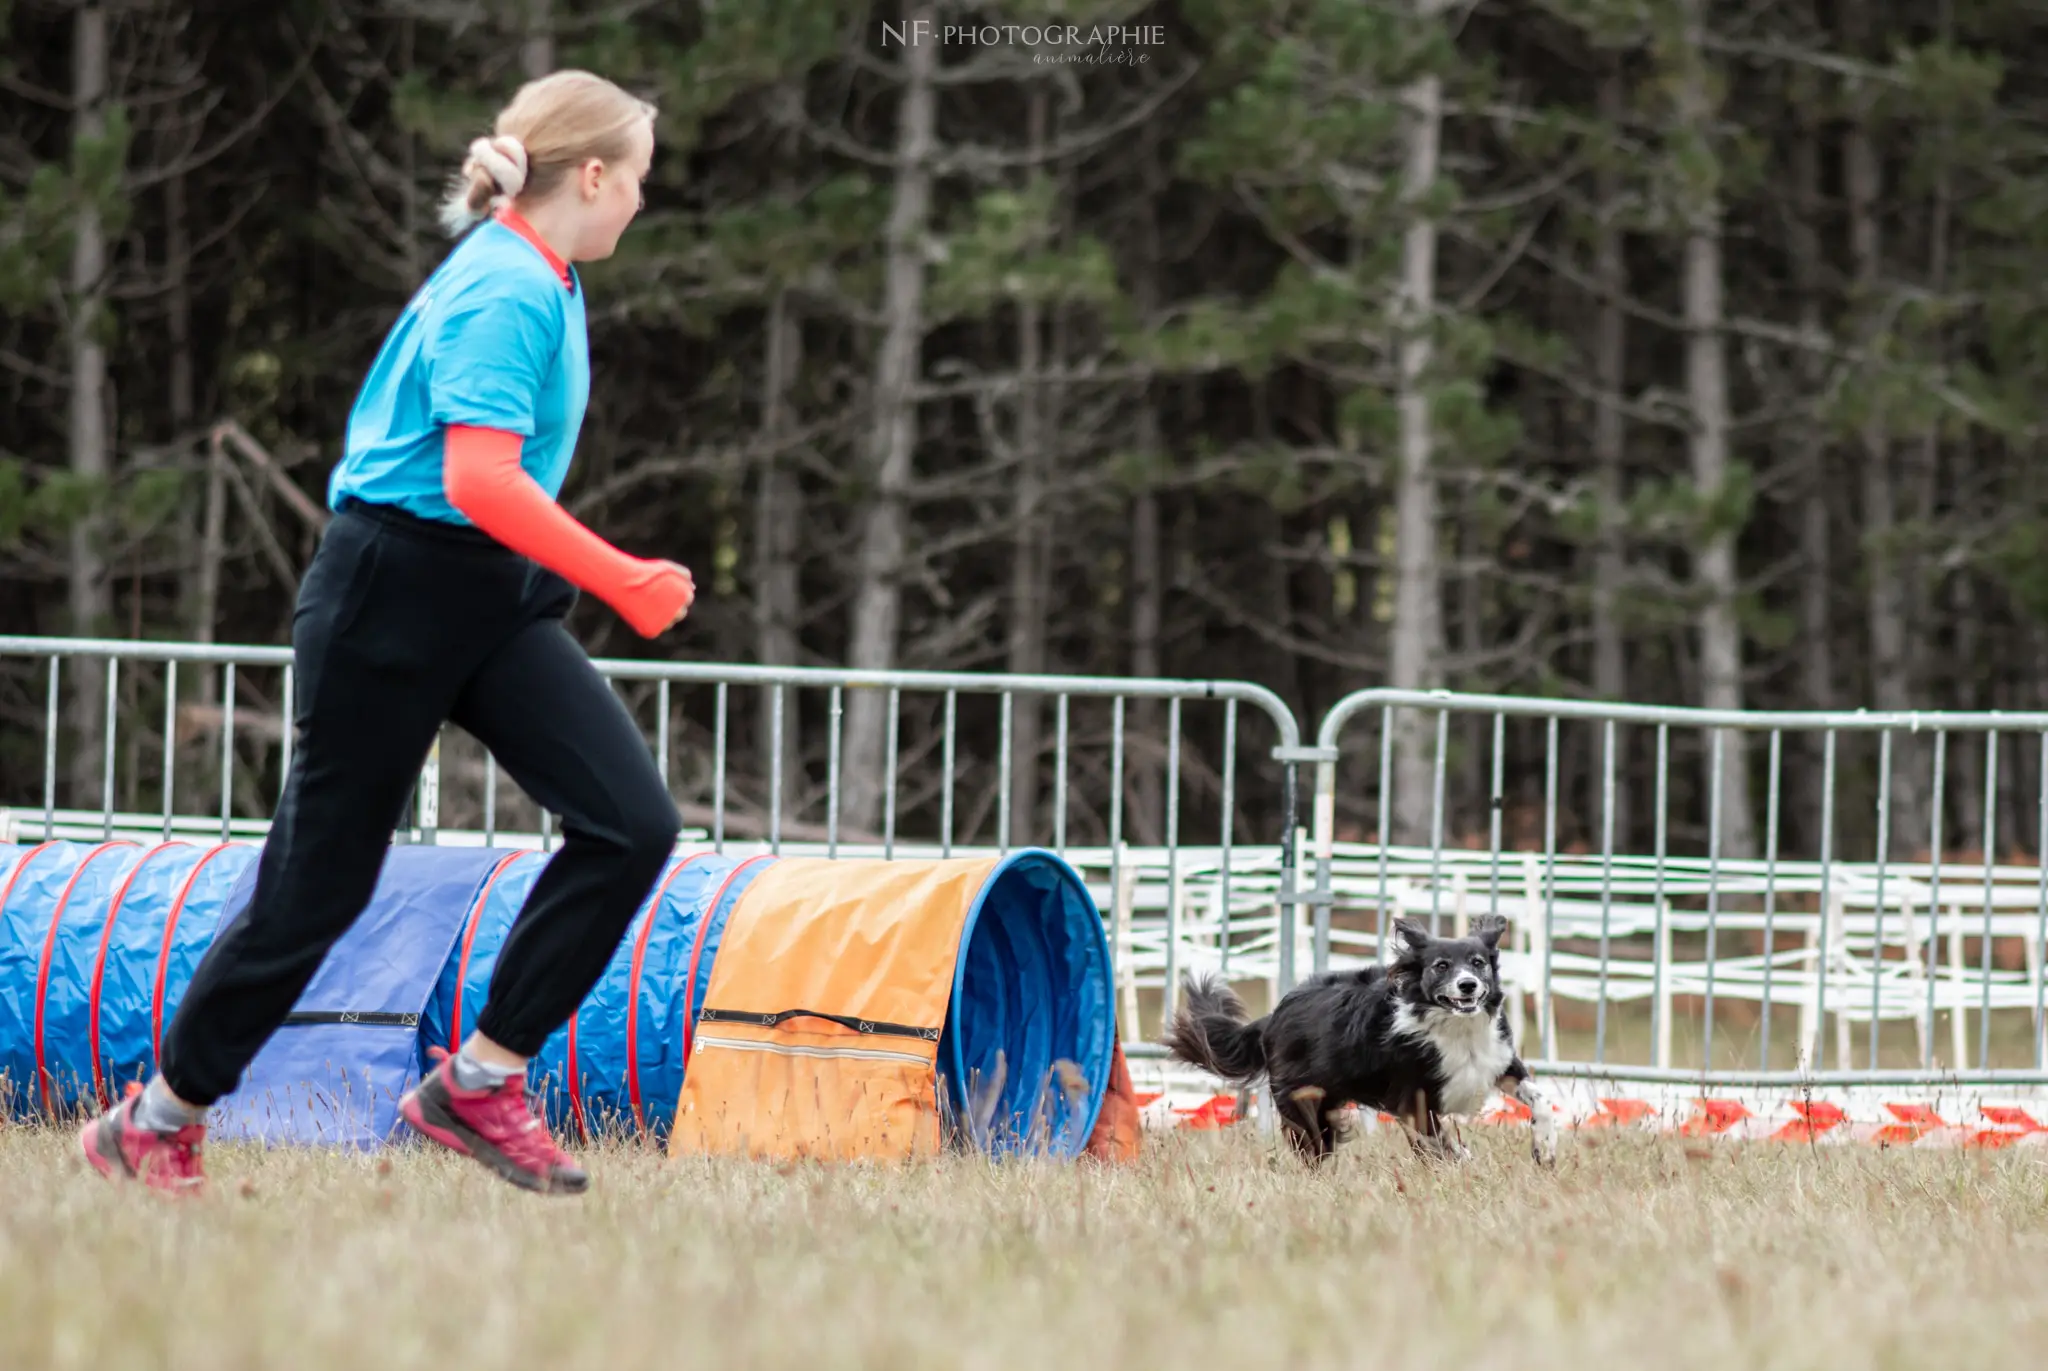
pixel 482 478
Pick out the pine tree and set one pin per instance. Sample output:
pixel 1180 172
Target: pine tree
pixel 1328 128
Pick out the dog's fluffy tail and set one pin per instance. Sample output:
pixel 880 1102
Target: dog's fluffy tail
pixel 1209 1031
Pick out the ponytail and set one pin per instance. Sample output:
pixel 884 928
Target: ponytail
pixel 496 167
pixel 552 126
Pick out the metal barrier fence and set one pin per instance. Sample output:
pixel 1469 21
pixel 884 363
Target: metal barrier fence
pixel 242 697
pixel 1716 945
pixel 1643 943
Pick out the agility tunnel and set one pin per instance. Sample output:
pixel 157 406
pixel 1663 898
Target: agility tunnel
pixel 762 1005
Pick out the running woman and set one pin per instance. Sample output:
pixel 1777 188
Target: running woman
pixel 438 594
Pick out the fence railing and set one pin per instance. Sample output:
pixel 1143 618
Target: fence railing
pixel 944 782
pixel 1714 897
pixel 1692 963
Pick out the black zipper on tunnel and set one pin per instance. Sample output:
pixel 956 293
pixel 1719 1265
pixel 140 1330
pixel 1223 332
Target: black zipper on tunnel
pixel 775 1020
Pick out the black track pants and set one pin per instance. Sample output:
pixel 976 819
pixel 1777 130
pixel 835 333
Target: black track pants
pixel 401 625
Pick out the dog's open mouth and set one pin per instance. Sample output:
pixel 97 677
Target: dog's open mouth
pixel 1460 1004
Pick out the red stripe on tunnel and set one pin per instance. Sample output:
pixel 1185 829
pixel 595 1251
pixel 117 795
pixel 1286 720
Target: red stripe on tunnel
pixel 163 956
pixel 49 951
pixel 633 982
pixel 697 951
pixel 476 915
pixel 99 968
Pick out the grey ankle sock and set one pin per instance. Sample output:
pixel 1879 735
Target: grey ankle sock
pixel 160 1112
pixel 472 1074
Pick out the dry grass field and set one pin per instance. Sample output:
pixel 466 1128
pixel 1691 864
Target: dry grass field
pixel 1212 1252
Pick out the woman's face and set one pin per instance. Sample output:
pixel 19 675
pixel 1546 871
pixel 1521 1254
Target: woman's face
pixel 611 195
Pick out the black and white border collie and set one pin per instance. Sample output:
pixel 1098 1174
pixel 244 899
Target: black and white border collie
pixel 1421 1038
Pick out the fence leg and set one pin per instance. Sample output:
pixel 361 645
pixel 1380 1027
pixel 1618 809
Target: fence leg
pixel 1838 954
pixel 1121 896
pixel 1958 1019
pixel 1923 1018
pixel 1539 946
pixel 1532 914
pixel 1809 1003
pixel 1322 840
pixel 1665 995
pixel 1319 922
pixel 1284 927
pixel 1517 1013
pixel 1517 1016
pixel 2036 968
pixel 1176 938
pixel 2037 956
pixel 1213 924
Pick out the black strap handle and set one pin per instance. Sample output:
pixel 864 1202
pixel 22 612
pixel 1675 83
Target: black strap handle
pixel 780 1017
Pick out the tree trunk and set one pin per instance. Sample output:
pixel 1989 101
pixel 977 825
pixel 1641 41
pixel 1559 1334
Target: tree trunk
pixel 1892 673
pixel 1967 765
pixel 1720 631
pixel 892 434
pixel 1145 818
pixel 178 321
pixel 537 53
pixel 184 403
pixel 1963 828
pixel 1610 439
pixel 212 552
pixel 1417 649
pixel 778 529
pixel 1144 787
pixel 409 206
pixel 1816 657
pixel 91 592
pixel 1031 554
pixel 1475 793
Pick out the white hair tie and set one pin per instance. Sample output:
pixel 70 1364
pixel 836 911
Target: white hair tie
pixel 504 157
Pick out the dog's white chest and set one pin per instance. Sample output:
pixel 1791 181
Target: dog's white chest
pixel 1470 1055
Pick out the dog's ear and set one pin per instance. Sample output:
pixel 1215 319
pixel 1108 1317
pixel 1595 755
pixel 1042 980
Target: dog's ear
pixel 1489 929
pixel 1411 933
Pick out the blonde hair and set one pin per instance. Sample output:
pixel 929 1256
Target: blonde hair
pixel 552 126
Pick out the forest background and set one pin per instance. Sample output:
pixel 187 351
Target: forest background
pixel 1674 351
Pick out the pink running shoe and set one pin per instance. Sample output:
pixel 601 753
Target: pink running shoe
pixel 119 1150
pixel 493 1126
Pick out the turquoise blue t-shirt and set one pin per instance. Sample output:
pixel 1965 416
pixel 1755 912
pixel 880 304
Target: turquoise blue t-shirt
pixel 493 339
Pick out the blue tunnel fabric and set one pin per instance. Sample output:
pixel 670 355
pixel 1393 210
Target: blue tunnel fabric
pixel 206 876
pixel 1031 987
pixel 64 974
pixel 32 880
pixel 350 1048
pixel 33 891
pixel 229 878
pixel 664 936
pixel 698 893
pixel 191 882
pixel 487 918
